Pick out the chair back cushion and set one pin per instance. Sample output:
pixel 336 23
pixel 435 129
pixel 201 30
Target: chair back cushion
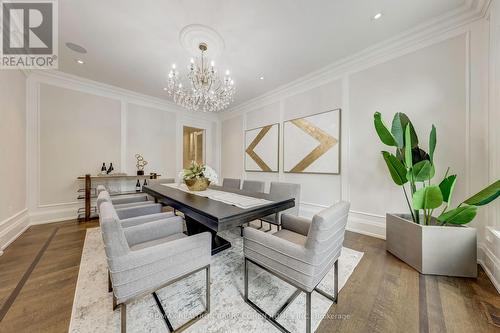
pixel 101 198
pixel 326 233
pixel 113 236
pixel 231 183
pixel 287 190
pixel 253 186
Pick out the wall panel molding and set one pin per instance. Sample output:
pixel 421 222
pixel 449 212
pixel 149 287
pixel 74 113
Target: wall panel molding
pixel 461 23
pixel 13 227
pixel 59 211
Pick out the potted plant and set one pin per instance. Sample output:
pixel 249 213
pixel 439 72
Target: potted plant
pixel 432 237
pixel 198 177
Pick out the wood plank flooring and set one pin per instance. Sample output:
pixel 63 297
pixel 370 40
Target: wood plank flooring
pixel 38 275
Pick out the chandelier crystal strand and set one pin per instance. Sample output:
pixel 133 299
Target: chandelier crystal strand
pixel 207 91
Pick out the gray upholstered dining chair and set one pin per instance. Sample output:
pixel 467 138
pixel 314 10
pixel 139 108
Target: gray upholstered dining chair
pixel 145 258
pixel 131 198
pixel 253 186
pixel 301 254
pixel 283 190
pixel 133 214
pixel 231 183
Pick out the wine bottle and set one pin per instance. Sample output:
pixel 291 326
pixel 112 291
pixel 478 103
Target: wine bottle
pixel 110 169
pixel 138 186
pixel 103 169
pixel 145 182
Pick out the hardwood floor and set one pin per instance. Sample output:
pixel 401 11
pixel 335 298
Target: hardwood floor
pixel 38 275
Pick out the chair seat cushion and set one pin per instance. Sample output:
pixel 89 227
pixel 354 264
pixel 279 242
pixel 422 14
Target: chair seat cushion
pixel 157 241
pixel 138 220
pixel 133 204
pixel 291 236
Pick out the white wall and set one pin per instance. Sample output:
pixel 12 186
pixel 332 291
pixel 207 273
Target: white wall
pixel 435 78
pixel 429 85
pixel 489 254
pixel 78 132
pixel 151 133
pixel 232 159
pixel 74 125
pixel 13 212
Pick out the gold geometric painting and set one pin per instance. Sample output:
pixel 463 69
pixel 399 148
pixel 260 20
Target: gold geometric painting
pixel 312 144
pixel 262 149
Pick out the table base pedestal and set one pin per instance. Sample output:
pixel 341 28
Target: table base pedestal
pixel 218 243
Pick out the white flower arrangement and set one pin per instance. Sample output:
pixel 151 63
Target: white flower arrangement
pixel 211 175
pixel 199 171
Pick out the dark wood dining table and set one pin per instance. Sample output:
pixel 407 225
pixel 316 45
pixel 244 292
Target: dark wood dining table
pixel 204 214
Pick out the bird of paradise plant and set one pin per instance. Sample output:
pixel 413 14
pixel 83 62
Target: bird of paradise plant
pixel 414 168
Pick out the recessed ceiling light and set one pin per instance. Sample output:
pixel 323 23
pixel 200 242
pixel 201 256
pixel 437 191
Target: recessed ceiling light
pixel 377 16
pixel 165 88
pixel 262 78
pixel 76 47
pixel 80 61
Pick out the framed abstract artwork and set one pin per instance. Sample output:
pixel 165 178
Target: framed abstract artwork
pixel 262 149
pixel 312 144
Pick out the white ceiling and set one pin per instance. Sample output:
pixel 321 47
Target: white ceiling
pixel 132 44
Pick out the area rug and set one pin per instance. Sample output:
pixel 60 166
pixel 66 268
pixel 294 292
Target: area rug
pixel 92 305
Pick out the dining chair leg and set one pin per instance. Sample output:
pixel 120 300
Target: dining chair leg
pixel 110 286
pixel 336 280
pixel 207 285
pixel 261 225
pixel 123 318
pixel 246 279
pixel 308 312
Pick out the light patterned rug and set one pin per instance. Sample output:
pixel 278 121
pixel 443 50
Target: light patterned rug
pixel 92 306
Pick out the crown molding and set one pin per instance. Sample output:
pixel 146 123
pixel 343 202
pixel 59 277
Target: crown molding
pixel 426 33
pixel 70 81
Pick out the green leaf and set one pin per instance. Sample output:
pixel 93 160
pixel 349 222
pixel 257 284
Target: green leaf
pixel 446 186
pixel 383 133
pixel 460 215
pixel 485 196
pixel 432 143
pixel 399 123
pixel 423 171
pixel 396 168
pixel 419 155
pixel 429 197
pixel 408 157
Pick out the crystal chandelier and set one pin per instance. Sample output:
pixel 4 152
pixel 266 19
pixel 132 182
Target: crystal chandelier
pixel 207 91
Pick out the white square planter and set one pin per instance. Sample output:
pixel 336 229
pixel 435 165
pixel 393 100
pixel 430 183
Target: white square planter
pixel 432 249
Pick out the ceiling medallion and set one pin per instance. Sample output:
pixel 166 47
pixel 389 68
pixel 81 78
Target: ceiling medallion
pixel 207 91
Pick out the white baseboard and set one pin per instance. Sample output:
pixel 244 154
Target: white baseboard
pixel 487 258
pixel 12 228
pixel 365 227
pixel 358 222
pixel 54 214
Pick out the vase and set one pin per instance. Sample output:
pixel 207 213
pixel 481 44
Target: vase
pixel 197 184
pixel 432 249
